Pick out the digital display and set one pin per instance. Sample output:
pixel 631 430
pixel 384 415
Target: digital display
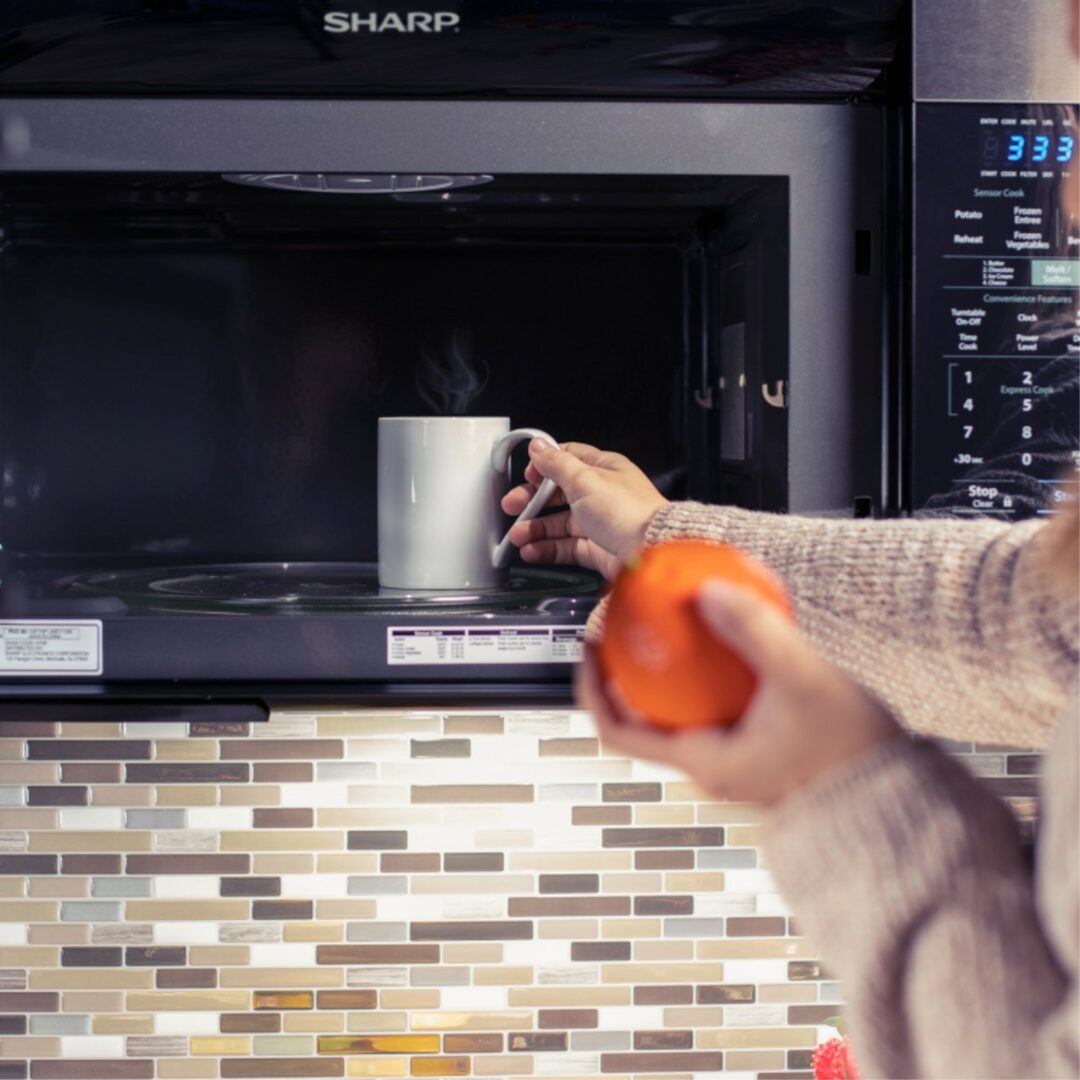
pixel 1028 147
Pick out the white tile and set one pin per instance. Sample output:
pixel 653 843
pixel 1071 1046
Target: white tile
pixel 185 933
pixel 376 976
pixel 755 971
pixel 314 886
pixel 219 817
pixel 299 954
pixel 13 840
pixel 772 904
pixel 474 907
pixel 286 725
pixel 376 749
pixel 245 933
pixel 92 1046
pixel 575 793
pixel 534 951
pixel 187 1023
pixel 547 725
pixel 518 840
pixel 346 772
pixel 187 840
pixel 630 1018
pixel 570 975
pixel 371 794
pixel 749 881
pixel 316 795
pixel 500 749
pixel 155 729
pixel 465 817
pixel 91 817
pixel 830 993
pixel 715 904
pixel 566 1064
pixel 473 999
pixel 743 1016
pixel 182 886
pixel 13 933
pixel 449 837
pixel 11 795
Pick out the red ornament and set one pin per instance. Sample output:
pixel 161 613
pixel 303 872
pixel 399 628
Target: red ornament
pixel 833 1060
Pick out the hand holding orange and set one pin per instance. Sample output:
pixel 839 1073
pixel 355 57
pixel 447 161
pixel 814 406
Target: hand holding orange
pixel 656 649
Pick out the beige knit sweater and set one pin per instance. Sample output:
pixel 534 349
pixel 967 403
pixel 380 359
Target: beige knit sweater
pixel 905 870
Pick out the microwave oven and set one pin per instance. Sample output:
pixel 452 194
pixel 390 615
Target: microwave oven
pixel 805 259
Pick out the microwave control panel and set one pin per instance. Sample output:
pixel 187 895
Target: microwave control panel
pixel 996 309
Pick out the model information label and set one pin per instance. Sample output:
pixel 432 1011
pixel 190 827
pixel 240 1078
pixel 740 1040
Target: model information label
pixel 51 648
pixel 484 645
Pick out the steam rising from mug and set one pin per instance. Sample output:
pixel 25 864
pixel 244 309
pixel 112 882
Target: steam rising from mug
pixel 451 378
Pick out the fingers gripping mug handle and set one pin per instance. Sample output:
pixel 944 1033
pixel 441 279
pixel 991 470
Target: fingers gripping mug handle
pixel 500 462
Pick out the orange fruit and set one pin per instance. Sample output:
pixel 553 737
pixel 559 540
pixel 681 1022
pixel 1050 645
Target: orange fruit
pixel 656 648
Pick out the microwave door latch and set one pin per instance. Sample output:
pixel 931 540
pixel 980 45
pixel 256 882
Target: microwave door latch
pixel 776 396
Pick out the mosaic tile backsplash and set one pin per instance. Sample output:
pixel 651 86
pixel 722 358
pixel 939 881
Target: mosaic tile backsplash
pixel 390 893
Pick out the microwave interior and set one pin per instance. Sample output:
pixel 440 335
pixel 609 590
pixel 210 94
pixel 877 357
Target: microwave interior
pixel 193 366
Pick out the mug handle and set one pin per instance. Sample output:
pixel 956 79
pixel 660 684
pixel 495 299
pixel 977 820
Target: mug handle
pixel 500 462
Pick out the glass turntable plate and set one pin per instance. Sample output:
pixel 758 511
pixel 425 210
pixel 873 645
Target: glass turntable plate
pixel 308 588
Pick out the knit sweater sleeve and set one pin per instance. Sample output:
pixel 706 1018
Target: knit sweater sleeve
pixel 954 625
pixel 908 875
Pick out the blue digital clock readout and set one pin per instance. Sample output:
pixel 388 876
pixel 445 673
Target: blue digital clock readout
pixel 1028 148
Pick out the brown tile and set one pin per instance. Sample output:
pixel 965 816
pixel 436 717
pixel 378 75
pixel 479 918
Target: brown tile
pixel 549 907
pixel 194 863
pixel 189 772
pixel 802 970
pixel 285 817
pixel 348 999
pixel 91 772
pixel 12 1025
pixel 664 905
pixel 585 951
pixel 663 995
pixel 251 886
pixel 440 748
pixel 729 994
pixel 567 1018
pixel 89 750
pixel 265 1068
pixel 755 926
pixel 377 839
pixel 696 836
pixel 800 1059
pixel 377 954
pixel 536 1041
pixel 811 1014
pixel 186 978
pixel 473 1044
pixel 630 792
pixel 664 860
pixel 277 749
pixel 155 955
pixel 67 795
pixel 472 793
pixel 1007 787
pixel 250 1023
pixel 663 1062
pixel 28 864
pixel 407 862
pixel 569 883
pixel 219 728
pixel 283 772
pixel 98 1068
pixel 472 931
pixel 601 815
pixel 1024 764
pixel 28 729
pixel 474 862
pixel 283 909
pixel 90 956
pixel 283 999
pixel 28 1002
pixel 77 863
pixel 663 1040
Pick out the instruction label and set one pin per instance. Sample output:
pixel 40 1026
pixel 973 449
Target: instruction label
pixel 69 647
pixel 484 645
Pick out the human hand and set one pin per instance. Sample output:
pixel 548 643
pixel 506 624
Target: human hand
pixel 609 502
pixel 805 718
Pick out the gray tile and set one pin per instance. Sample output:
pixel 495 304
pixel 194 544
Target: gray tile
pixel 12 796
pixel 59 1024
pixel 157 1046
pixel 377 931
pixel 121 886
pixel 345 770
pixel 122 934
pixel 726 859
pixel 155 819
pixel 829 993
pixel 377 885
pixel 600 1040
pixel 89 911
pixel 695 928
pixel 439 975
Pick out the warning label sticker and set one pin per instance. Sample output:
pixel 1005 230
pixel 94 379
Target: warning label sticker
pixel 69 647
pixel 484 645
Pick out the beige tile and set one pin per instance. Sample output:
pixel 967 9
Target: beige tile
pixel 12 887
pixel 190 1001
pixel 714 813
pixel 516 1020
pixel 498 1065
pixel 284 840
pixel 568 929
pixel 349 862
pixel 58 886
pixel 128 795
pixel 478 724
pixel 29 772
pixel 677 791
pixel 756 949
pixel 320 1023
pixel 250 795
pixel 29 1047
pixel 220 1045
pixel 788 993
pixel 92 979
pixel 29 817
pixel 631 883
pixel 273 865
pixel 93 1002
pixel 503 976
pixel 363 817
pixel 652 951
pixel 504 840
pixel 11 750
pixel 359 1022
pixel 722 1039
pixel 472 794
pixel 185 749
pixel 76 729
pixel 658 814
pixel 694 881
pixel 284 1045
pixel 565 996
pixel 745 836
pixel 322 932
pixel 123 1024
pixel 56 933
pixel 379 724
pixel 29 956
pixel 473 952
pixel 186 1069
pixel 483 884
pixel 345 909
pixel 661 973
pixel 281 978
pixel 410 999
pixel 589 861
pixel 77 840
pixel 187 910
pixel 753 1060
pixel 388 1066
pixel 21 911
pixel 218 955
pixel 690 1017
pixel 620 929
pixel 188 795
pixel 569 747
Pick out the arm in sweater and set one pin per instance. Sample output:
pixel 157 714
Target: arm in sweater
pixel 953 625
pixel 907 873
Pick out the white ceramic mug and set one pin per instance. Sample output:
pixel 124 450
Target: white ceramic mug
pixel 441 479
